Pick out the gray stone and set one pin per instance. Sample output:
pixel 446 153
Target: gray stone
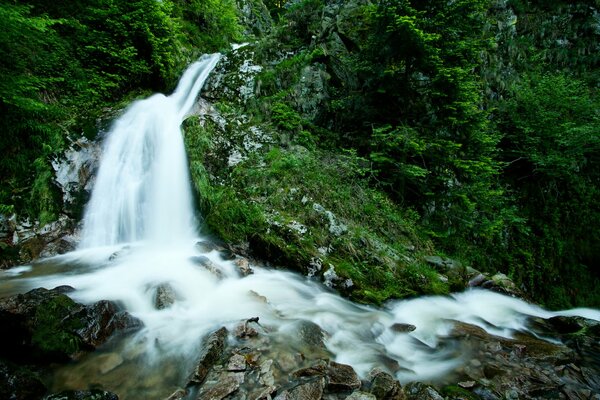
pixel 361 396
pixel 219 390
pixel 342 378
pixel 212 350
pixel 402 328
pixel 208 265
pixel 421 391
pixel 237 363
pixel 384 386
pixel 178 395
pixel 243 266
pixel 164 296
pixel 307 391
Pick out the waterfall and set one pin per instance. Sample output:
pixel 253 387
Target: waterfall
pixel 142 194
pixel 142 191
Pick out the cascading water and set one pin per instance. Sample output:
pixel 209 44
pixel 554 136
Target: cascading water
pixel 143 195
pixel 142 190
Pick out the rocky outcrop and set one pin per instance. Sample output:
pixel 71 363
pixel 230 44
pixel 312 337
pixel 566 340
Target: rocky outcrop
pixel 43 325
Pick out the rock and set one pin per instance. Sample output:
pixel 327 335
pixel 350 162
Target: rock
pixel 477 280
pixel 311 334
pixel 83 395
pixel 212 349
pixel 206 246
pixel 164 296
pixel 341 378
pixel 402 328
pixel 48 325
pixel 262 393
pixel 317 369
pixel 237 363
pixel 442 264
pixel 361 396
pixel 307 391
pixel 467 384
pixel 384 386
pixel 19 383
pixel 421 391
pixel 244 330
pixel 267 377
pixel 243 266
pixel 219 390
pixel 101 320
pixel 178 395
pixel 207 264
pixel 255 17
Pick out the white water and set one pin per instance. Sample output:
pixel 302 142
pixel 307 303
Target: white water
pixel 143 195
pixel 142 190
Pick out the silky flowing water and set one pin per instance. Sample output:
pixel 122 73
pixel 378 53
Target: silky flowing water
pixel 140 232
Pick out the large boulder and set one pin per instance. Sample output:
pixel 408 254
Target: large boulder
pixel 48 326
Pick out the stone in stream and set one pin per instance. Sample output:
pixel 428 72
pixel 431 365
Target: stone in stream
pixel 341 378
pixel 403 328
pixel 164 296
pixel 206 246
pixel 221 389
pixel 212 349
pixel 47 325
pixel 421 391
pixel 237 363
pixel 19 383
pixel 83 395
pixel 358 395
pixel 208 265
pixel 312 390
pixel 178 395
pixel 243 266
pixel 384 386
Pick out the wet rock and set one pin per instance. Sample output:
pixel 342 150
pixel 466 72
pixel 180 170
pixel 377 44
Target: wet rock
pixel 212 349
pixel 421 391
pixel 384 386
pixel 442 264
pixel 243 266
pixel 206 246
pixel 245 330
pixel 19 383
pixel 267 377
pixel 361 396
pixel 227 255
pixel 178 395
pixel 219 390
pixel 101 320
pixel 311 334
pixel 317 369
pixel 208 265
pixel 341 378
pixel 312 390
pixel 237 363
pixel 164 296
pixel 48 325
pixel 83 395
pixel 262 393
pixel 402 328
pixel 477 280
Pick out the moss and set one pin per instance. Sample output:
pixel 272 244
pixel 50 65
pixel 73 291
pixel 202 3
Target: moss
pixel 454 392
pixel 55 325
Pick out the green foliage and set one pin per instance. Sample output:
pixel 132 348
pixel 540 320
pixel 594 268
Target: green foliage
pixel 210 25
pixel 64 64
pixel 552 150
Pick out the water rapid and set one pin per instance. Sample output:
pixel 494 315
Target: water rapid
pixel 139 233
